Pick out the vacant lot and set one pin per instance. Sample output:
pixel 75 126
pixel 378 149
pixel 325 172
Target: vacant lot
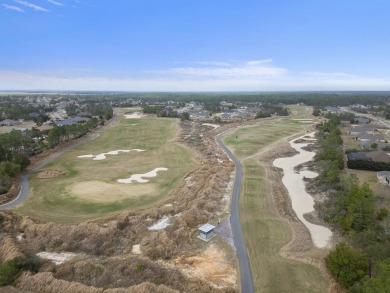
pixel 88 188
pixel 265 231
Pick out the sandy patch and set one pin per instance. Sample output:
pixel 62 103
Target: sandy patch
pixel 211 265
pixel 161 224
pixel 102 156
pixel 47 174
pixel 302 202
pixel 140 177
pixel 135 115
pixel 100 191
pixel 136 249
pixel 57 258
pixel 212 125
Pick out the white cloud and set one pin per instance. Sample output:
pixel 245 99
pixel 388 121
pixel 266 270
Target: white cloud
pixel 259 62
pixel 249 69
pixel 287 82
pixel 11 7
pixel 55 2
pixel 31 5
pixel 257 75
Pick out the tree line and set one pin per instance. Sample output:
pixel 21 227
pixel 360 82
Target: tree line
pixel 362 262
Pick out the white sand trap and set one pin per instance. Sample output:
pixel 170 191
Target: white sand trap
pixel 212 125
pixel 135 115
pixel 102 156
pixel 136 249
pixel 302 202
pixel 161 224
pixel 139 177
pixel 57 258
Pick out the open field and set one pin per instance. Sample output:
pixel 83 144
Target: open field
pixel 26 124
pixel 265 231
pixel 300 110
pixel 89 188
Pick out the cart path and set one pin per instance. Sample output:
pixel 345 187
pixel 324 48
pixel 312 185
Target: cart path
pixel 239 243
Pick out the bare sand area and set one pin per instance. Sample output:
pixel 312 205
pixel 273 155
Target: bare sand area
pixel 102 156
pixel 212 125
pixel 302 202
pixel 57 258
pixel 140 177
pixel 135 115
pixel 100 191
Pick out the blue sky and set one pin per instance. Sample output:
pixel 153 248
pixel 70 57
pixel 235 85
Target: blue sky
pixel 202 45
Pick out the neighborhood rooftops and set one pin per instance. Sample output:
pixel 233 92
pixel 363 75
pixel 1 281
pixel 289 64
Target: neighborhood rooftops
pixel 358 156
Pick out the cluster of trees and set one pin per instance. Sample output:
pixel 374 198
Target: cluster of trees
pixel 100 109
pixel 18 111
pixel 330 156
pixel 274 109
pixel 160 111
pixel 361 264
pixel 15 147
pixel 60 134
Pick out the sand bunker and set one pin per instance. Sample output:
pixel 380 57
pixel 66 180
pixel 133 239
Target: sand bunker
pixel 57 258
pixel 135 115
pixel 102 156
pixel 139 177
pixel 302 202
pixel 99 191
pixel 212 125
pixel 47 174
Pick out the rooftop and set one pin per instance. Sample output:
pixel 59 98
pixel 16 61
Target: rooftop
pixel 206 228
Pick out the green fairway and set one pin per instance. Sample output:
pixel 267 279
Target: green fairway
pixel 249 141
pixel 265 232
pixel 89 188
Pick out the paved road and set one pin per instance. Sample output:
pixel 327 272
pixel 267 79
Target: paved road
pixel 245 269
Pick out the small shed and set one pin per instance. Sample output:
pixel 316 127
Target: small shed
pixel 206 232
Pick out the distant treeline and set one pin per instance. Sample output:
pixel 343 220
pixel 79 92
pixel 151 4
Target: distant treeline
pixel 320 99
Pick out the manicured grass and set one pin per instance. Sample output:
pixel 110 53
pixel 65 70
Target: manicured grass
pixel 300 110
pixel 53 200
pixel 249 141
pixel 265 232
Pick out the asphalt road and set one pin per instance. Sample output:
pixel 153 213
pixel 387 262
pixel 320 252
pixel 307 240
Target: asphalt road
pixel 239 243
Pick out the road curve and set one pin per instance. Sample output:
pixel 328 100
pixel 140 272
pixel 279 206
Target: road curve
pixel 239 243
pixel 24 189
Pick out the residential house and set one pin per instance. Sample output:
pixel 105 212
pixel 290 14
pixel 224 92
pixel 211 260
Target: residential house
pixel 379 156
pixel 9 122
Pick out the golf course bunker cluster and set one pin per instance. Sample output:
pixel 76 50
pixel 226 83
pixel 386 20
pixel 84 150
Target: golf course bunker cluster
pixel 102 156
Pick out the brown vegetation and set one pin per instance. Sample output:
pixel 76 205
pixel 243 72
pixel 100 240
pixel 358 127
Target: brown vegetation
pixel 105 244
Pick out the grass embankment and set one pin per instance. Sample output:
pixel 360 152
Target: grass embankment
pixel 89 189
pixel 265 232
